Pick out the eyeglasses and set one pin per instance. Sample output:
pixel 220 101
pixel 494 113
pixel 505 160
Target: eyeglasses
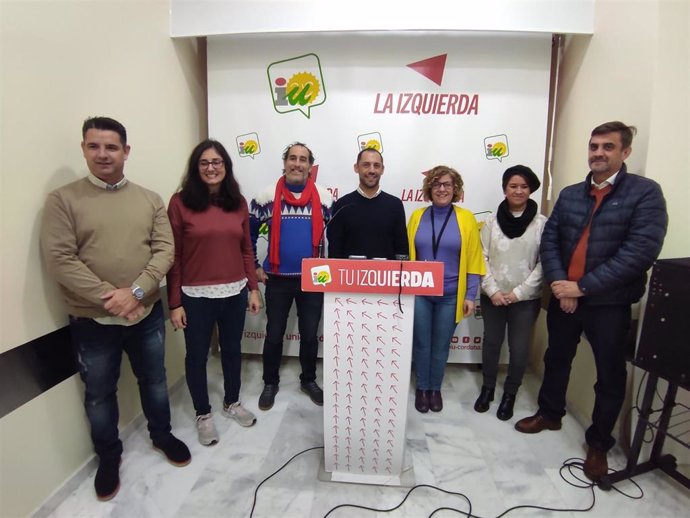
pixel 445 185
pixel 204 164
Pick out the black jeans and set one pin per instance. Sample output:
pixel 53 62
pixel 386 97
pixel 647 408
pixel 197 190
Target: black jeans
pixel 606 328
pixel 202 314
pixel 280 293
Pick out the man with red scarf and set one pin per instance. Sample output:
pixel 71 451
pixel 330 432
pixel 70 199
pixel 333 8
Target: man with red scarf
pixel 295 212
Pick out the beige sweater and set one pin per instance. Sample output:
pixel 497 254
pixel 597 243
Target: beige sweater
pixel 94 240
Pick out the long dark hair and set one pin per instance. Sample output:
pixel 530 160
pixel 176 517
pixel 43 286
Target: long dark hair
pixel 195 193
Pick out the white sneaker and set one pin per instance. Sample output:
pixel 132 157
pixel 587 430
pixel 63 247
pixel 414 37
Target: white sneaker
pixel 206 430
pixel 240 414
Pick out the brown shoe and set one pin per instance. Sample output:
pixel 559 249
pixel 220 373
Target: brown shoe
pixel 421 401
pixel 435 401
pixel 536 423
pixel 596 465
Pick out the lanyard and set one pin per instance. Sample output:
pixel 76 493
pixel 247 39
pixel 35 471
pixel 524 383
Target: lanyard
pixel 435 242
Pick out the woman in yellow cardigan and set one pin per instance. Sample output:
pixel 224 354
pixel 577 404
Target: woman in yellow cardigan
pixel 447 233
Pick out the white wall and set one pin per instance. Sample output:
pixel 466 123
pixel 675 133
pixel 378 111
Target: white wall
pixel 635 68
pixel 213 17
pixel 63 61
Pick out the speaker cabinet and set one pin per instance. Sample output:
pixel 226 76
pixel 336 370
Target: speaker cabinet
pixel 664 347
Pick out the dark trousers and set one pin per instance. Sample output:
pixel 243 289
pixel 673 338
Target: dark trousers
pixel 99 353
pixel 606 328
pixel 280 293
pixel 519 319
pixel 202 314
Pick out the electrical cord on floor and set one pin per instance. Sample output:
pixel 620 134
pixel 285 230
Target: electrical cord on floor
pixel 256 491
pixel 572 466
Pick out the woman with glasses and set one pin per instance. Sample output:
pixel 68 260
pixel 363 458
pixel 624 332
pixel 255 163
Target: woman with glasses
pixel 511 288
pixel 213 279
pixel 442 232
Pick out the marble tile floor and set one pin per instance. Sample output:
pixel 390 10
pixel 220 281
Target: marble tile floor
pixel 457 449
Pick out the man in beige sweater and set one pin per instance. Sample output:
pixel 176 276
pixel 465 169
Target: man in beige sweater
pixel 108 243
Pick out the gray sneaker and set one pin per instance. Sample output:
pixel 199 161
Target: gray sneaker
pixel 206 430
pixel 240 414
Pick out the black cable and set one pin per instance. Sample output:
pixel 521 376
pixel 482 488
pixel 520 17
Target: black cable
pixel 573 466
pixel 409 492
pixel 400 306
pixel 256 491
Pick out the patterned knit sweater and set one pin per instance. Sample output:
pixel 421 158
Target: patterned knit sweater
pixel 295 230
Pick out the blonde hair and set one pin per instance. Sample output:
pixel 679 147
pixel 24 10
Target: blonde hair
pixel 437 172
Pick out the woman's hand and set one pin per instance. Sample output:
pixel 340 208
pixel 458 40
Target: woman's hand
pixel 499 299
pixel 467 307
pixel 254 302
pixel 261 275
pixel 178 318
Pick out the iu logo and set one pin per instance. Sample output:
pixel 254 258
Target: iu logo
pixel 297 84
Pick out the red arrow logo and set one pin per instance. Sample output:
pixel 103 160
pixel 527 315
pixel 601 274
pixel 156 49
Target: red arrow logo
pixel 431 68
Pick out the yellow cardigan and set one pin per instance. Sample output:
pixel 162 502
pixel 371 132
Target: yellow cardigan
pixel 471 257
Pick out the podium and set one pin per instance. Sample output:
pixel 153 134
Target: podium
pixel 367 356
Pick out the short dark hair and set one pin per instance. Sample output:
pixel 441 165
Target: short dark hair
pixel 290 146
pixel 626 132
pixel 104 124
pixel 359 155
pixel 195 193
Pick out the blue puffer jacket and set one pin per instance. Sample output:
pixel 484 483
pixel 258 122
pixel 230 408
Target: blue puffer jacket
pixel 626 236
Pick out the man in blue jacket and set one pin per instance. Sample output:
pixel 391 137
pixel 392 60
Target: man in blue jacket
pixel 602 237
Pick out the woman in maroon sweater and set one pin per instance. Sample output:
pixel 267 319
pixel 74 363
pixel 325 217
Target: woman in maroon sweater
pixel 213 279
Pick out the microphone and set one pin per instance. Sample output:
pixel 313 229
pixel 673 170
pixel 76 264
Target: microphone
pixel 320 254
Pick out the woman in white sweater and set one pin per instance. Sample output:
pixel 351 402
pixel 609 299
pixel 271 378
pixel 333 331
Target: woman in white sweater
pixel 512 286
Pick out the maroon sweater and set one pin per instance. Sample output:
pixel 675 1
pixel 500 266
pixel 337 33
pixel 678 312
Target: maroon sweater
pixel 211 247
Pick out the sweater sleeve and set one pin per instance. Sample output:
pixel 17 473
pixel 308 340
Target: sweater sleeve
pixel 60 253
pixel 335 233
pixel 401 244
pixel 174 278
pixel 257 217
pixel 248 253
pixel 472 246
pixel 535 279
pixel 162 249
pixel 489 285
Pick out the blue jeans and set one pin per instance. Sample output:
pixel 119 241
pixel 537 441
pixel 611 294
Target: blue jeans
pixel 280 293
pixel 519 319
pixel 99 354
pixel 434 325
pixel 202 314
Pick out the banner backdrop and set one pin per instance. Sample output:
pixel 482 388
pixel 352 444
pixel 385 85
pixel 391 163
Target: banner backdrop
pixel 475 102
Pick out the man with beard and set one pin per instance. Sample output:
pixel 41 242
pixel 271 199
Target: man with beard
pixel 368 222
pixel 294 211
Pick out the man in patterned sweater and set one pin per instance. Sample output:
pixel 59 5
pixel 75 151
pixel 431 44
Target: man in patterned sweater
pixel 295 212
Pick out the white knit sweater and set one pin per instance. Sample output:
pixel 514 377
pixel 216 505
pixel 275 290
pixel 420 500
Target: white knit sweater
pixel 512 264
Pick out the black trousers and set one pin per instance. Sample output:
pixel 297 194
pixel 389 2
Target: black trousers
pixel 606 329
pixel 280 293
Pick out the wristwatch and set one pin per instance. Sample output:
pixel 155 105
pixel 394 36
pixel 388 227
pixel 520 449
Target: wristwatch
pixel 138 292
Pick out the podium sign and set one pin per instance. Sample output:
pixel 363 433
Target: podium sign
pixel 367 355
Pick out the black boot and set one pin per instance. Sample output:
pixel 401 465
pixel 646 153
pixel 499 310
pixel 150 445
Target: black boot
pixel 483 401
pixel 505 409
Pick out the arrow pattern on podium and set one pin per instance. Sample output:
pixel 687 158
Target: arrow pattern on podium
pixel 366 386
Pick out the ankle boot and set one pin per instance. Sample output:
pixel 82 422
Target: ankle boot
pixel 505 409
pixel 483 401
pixel 421 401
